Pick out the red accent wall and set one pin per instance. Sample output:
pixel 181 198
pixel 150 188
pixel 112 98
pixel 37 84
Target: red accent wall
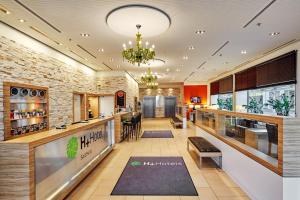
pixel 195 91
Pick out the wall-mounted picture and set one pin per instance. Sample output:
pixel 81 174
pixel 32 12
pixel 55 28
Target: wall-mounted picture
pixel 196 99
pixel 120 99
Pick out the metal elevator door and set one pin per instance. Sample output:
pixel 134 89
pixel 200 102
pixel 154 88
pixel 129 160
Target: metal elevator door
pixel 149 107
pixel 170 106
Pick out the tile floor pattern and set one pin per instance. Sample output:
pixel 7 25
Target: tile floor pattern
pixel 211 183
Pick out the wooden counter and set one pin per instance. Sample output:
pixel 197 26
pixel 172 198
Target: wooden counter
pixel 119 126
pixel 288 163
pixel 22 158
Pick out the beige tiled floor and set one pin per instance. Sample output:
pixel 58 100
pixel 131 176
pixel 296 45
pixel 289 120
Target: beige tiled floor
pixel 211 183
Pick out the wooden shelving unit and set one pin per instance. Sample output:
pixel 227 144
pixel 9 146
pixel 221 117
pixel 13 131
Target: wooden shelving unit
pixel 26 109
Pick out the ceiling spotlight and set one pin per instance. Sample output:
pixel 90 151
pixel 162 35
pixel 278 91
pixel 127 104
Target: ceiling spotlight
pixel 177 70
pixel 21 20
pixel 84 34
pixel 199 32
pixel 191 47
pixel 274 33
pixel 111 60
pixel 167 69
pixel 118 66
pixel 185 57
pixel 101 50
pixel 60 44
pixel 243 52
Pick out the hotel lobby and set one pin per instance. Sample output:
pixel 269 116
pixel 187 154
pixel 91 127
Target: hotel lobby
pixel 149 100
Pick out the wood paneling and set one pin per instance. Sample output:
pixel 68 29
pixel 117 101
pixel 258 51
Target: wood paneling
pixel 226 85
pixel 277 71
pixel 246 79
pixel 214 88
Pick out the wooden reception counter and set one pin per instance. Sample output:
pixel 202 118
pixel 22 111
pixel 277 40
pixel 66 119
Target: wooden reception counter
pixel 49 164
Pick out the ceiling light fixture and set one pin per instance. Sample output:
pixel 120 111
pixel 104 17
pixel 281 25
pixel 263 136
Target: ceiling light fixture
pixel 243 52
pixel 199 32
pixel 191 47
pixel 118 66
pixel 168 69
pixel 185 57
pixel 4 10
pixel 85 34
pixel 274 33
pixel 101 50
pixel 21 20
pixel 139 54
pixel 111 60
pixel 177 70
pixel 149 79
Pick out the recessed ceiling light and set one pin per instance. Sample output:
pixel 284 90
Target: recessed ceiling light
pixel 191 47
pixel 177 70
pixel 111 60
pixel 101 50
pixel 243 52
pixel 60 44
pixel 185 57
pixel 274 33
pixel 21 20
pixel 167 69
pixel 118 66
pixel 4 10
pixel 200 32
pixel 84 34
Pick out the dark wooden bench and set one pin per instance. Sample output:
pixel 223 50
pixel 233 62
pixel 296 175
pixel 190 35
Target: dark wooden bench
pixel 204 149
pixel 176 122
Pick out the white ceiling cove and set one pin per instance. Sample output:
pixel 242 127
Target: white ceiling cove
pixel 230 26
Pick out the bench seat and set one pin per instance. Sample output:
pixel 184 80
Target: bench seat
pixel 175 121
pixel 204 149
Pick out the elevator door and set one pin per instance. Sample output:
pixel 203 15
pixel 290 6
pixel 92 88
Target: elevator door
pixel 149 107
pixel 170 106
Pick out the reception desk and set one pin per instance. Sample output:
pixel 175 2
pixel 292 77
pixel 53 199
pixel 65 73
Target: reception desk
pixel 49 164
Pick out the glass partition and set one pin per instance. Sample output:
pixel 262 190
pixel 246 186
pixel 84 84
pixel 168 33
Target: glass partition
pixel 275 100
pixel 259 135
pixel 254 135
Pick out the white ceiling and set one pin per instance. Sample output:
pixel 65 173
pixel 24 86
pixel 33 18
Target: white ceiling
pixel 222 20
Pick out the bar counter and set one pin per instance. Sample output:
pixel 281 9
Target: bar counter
pixel 119 118
pixel 49 164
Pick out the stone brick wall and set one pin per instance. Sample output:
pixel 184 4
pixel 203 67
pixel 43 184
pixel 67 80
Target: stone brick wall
pixel 20 64
pixel 110 82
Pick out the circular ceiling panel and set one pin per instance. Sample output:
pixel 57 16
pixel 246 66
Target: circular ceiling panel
pixel 123 20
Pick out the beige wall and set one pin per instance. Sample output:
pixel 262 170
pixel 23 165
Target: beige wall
pixel 25 60
pixel 171 91
pixel 110 82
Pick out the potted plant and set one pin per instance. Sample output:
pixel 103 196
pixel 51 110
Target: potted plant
pixel 228 104
pixel 283 105
pixel 220 103
pixel 254 106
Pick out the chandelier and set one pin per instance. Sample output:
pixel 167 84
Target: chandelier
pixel 149 79
pixel 139 54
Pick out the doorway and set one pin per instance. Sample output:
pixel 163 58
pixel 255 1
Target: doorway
pixel 149 107
pixel 170 106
